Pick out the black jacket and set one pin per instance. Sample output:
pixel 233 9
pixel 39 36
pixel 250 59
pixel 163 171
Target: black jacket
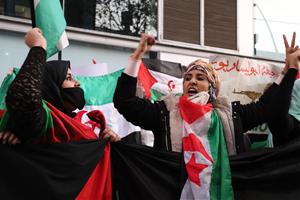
pixel 155 116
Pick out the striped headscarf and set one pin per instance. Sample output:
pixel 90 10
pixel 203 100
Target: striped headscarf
pixel 210 74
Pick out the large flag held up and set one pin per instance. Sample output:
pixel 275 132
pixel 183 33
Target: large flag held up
pixel 49 171
pixel 99 91
pixel 159 78
pixel 143 173
pixel 205 153
pixel 50 19
pixel 139 172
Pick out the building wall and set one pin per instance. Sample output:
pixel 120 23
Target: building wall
pixel 13 52
pixel 113 48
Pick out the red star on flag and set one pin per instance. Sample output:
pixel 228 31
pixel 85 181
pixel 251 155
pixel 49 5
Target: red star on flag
pixel 194 169
pixel 93 124
pixel 192 144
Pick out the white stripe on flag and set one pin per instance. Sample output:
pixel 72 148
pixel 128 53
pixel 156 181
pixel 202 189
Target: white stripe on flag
pixel 200 128
pixel 63 41
pixel 85 119
pixel 114 119
pixel 36 2
pixel 164 82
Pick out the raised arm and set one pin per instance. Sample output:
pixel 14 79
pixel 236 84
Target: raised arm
pixel 24 97
pixel 274 104
pixel 281 99
pixel 284 126
pixel 138 111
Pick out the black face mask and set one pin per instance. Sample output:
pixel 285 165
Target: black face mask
pixel 75 96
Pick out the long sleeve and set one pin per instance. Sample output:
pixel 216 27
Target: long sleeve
pixel 24 97
pixel 253 114
pixel 283 98
pixel 274 103
pixel 140 112
pixel 284 126
pixel 133 67
pixel 271 108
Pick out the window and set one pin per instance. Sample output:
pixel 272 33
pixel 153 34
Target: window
pixel 1 7
pixel 81 14
pixel 220 21
pixel 128 17
pixel 15 8
pixel 182 20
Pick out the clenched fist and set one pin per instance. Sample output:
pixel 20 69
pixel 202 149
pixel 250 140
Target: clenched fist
pixel 34 37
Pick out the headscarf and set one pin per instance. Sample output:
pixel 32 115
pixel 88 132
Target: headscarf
pixel 210 73
pixel 54 74
pixel 295 101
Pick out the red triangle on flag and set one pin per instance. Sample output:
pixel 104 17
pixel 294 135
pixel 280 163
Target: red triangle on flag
pixel 190 111
pixel 192 143
pixel 146 79
pixel 2 113
pixel 194 169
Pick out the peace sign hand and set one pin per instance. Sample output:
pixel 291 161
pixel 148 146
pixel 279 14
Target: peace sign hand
pixel 289 50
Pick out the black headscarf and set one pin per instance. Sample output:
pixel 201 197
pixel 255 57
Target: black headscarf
pixel 55 73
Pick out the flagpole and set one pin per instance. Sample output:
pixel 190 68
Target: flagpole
pixel 59 55
pixel 32 14
pixel 62 3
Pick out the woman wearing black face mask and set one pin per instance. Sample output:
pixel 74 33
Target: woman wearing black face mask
pixel 43 95
pixel 61 89
pixel 40 104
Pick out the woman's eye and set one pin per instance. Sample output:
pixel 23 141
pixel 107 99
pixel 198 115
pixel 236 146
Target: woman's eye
pixel 187 78
pixel 201 78
pixel 69 78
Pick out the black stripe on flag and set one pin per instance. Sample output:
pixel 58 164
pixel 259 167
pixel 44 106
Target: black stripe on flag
pixel 140 172
pixel 165 67
pixel 51 171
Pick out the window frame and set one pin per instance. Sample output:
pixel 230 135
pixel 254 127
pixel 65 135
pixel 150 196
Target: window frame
pixel 118 40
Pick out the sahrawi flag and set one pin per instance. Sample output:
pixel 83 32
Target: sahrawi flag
pixel 157 78
pixel 204 146
pixel 99 91
pixel 160 78
pixel 50 19
pixel 205 153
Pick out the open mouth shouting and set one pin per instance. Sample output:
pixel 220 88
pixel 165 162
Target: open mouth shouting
pixel 192 91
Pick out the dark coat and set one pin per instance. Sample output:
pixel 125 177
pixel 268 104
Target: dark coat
pixel 155 116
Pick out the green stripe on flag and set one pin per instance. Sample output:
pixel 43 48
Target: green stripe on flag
pixel 156 95
pixel 50 19
pixel 99 90
pixel 4 87
pixel 220 187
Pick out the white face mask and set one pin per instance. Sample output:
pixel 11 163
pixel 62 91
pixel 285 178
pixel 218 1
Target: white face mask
pixel 200 98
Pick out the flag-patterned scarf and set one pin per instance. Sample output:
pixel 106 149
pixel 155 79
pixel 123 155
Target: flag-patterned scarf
pixel 205 153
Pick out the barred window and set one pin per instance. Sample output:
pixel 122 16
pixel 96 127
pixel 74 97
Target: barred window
pixel 182 20
pixel 15 8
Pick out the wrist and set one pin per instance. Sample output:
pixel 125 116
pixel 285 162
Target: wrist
pixel 137 55
pixel 38 45
pixel 293 67
pixel 133 67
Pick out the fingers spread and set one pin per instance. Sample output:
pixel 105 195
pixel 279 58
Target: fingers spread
pixel 5 137
pixel 16 141
pixel 9 138
pixel 293 40
pixel 286 43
